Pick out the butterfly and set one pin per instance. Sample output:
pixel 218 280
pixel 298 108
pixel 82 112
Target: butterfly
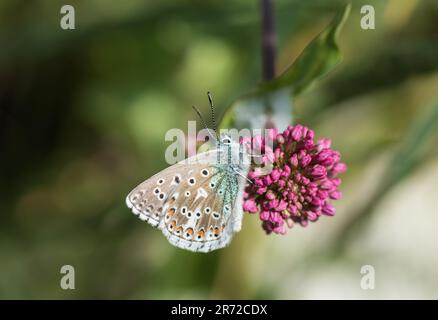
pixel 197 203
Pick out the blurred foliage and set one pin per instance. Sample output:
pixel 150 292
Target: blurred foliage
pixel 270 104
pixel 83 115
pixel 318 58
pixel 418 143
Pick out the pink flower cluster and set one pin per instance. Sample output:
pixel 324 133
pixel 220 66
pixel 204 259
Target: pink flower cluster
pixel 301 184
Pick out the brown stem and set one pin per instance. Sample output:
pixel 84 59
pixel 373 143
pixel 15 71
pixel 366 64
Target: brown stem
pixel 269 39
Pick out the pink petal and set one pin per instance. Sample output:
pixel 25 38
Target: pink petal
pixel 282 205
pixel 297 132
pixel 336 195
pixel 324 143
pixel 339 168
pixel 328 209
pixel 275 175
pixel 250 206
pixel 294 160
pixel 318 171
pixel 264 215
pixel 306 160
pixel 312 216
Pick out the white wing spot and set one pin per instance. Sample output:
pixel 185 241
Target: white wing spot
pixel 201 193
pixel 205 172
pixel 175 196
pixel 187 194
pixel 216 215
pixel 207 210
pixel 191 181
pixel 162 195
pixel 160 182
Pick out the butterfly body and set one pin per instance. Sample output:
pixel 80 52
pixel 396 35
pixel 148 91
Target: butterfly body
pixel 197 203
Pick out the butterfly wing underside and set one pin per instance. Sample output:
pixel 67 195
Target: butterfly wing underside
pixel 196 204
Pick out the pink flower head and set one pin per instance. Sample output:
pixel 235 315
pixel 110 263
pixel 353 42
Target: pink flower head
pixel 301 184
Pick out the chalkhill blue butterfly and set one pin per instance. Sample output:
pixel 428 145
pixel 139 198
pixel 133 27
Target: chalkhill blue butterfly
pixel 197 203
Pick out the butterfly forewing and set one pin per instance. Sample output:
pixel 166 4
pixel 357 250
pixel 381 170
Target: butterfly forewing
pixel 196 203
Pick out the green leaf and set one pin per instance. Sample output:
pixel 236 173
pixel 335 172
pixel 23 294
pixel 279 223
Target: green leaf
pixel 316 60
pixel 419 140
pixel 270 104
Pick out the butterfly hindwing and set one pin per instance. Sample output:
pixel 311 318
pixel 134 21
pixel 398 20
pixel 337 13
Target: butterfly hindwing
pixel 195 218
pixel 148 199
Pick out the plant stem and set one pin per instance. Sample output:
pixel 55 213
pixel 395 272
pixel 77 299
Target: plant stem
pixel 269 39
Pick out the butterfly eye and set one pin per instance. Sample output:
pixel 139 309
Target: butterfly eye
pixel 226 140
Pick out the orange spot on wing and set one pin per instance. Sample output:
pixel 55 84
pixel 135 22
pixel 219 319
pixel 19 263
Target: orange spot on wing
pixel 171 212
pixel 201 233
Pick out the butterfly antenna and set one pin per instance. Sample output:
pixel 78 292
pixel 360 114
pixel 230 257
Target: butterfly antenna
pixel 204 123
pixel 243 176
pixel 213 121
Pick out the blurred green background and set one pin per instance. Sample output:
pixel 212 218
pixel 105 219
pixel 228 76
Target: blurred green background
pixel 83 115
